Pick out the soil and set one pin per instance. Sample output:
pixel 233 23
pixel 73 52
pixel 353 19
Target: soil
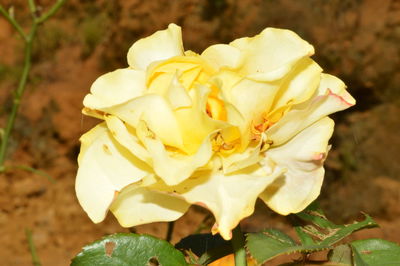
pixel 355 40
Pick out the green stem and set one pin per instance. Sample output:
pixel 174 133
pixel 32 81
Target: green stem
pixel 51 12
pixel 13 22
pixel 27 66
pixel 17 95
pixel 32 248
pixel 238 246
pixel 32 7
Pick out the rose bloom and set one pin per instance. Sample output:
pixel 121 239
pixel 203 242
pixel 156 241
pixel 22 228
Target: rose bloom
pixel 218 129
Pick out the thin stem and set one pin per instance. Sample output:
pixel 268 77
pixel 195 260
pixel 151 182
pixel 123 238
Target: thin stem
pixel 13 22
pixel 51 12
pixel 170 230
pixel 238 246
pixel 17 95
pixel 5 134
pixel 32 6
pixel 29 169
pixel 32 248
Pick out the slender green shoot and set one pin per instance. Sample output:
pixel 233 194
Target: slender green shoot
pixel 19 91
pixel 32 248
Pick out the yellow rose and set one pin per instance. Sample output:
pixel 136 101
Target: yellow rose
pixel 219 129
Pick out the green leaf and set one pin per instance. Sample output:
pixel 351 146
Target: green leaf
pixel 206 246
pixel 305 238
pixel 341 255
pixel 345 230
pixel 376 252
pixel 270 243
pixel 129 249
pixel 327 232
pixel 358 260
pixel 315 215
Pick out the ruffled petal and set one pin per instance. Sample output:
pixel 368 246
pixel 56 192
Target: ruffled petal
pixel 303 158
pixel 177 94
pixel 271 54
pixel 194 122
pixel 251 99
pixel 115 88
pixel 126 136
pixel 327 101
pixel 156 112
pixel 229 197
pixel 173 166
pixel 161 45
pixel 239 160
pixel 222 55
pixel 105 167
pixel 138 205
pixel 300 84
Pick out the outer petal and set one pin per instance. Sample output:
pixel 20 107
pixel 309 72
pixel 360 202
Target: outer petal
pixel 115 88
pixel 229 197
pixel 105 167
pixel 327 101
pixel 161 45
pixel 138 205
pixel 271 54
pixel 303 157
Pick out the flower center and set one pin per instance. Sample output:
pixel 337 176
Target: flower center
pixel 190 70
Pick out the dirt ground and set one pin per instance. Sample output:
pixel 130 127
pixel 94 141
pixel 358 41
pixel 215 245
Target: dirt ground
pixel 356 40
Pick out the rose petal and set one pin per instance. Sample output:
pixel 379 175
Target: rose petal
pixel 303 157
pixel 229 197
pixel 177 94
pixel 194 122
pixel 271 54
pixel 173 166
pixel 222 55
pixel 302 115
pixel 137 205
pixel 115 88
pixel 105 167
pixel 239 160
pixel 161 45
pixel 127 138
pixel 156 112
pixel 252 99
pixel 300 84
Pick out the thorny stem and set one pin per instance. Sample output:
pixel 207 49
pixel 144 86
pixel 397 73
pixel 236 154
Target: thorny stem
pixel 18 93
pixel 238 246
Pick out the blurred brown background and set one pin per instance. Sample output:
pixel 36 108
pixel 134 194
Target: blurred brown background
pixel 357 40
